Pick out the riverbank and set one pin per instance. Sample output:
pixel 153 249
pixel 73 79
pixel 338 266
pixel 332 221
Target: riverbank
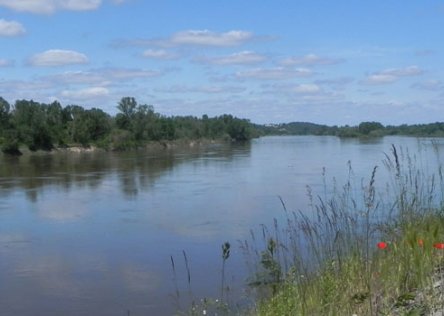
pixel 403 276
pixel 180 144
pixel 379 252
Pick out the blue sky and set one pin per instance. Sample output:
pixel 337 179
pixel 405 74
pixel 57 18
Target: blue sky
pixel 332 62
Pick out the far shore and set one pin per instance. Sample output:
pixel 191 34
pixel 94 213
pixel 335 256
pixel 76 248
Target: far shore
pixel 150 146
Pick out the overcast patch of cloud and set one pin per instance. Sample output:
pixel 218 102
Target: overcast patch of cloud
pixel 101 76
pixel 11 28
pixel 392 75
pixel 197 38
pixel 335 83
pixel 293 89
pixel 208 38
pixel 240 58
pixel 202 89
pixel 22 86
pixel 275 73
pixel 50 6
pixel 5 62
pixel 128 73
pixel 160 54
pixel 58 57
pixel 430 85
pixel 307 88
pixel 309 60
pixel 85 94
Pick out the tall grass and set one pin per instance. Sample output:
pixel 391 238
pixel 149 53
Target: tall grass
pixel 325 261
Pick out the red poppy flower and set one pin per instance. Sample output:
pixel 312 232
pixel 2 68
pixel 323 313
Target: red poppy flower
pixel 420 242
pixel 382 245
pixel 438 245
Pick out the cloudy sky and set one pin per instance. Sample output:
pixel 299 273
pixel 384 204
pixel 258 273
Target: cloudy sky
pixel 332 62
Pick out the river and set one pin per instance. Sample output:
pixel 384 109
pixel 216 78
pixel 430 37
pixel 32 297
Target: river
pixel 94 233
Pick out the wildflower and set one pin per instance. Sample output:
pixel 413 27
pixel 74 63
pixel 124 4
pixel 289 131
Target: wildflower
pixel 420 243
pixel 438 245
pixel 381 245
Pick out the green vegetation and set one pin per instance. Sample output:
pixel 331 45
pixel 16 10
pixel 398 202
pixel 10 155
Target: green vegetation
pixel 364 129
pixel 42 126
pixel 378 250
pixel 365 248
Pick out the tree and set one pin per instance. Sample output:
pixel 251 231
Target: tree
pixel 127 107
pixel 90 126
pixel 4 116
pixel 140 122
pixel 30 119
pixel 366 128
pixel 55 122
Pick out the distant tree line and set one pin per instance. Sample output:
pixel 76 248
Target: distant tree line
pixel 364 129
pixel 42 126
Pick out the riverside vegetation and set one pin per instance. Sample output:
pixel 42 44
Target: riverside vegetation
pixel 40 126
pixel 364 248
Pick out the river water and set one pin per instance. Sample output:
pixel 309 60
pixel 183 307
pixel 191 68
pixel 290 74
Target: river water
pixel 94 233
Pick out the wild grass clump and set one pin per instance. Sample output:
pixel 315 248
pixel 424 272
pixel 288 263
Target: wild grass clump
pixel 367 249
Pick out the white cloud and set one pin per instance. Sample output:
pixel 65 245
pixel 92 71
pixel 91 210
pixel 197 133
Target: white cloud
pixel 335 83
pixel 50 6
pixel 194 38
pixel 11 28
pixel 202 89
pixel 308 88
pixel 309 60
pixel 431 85
pixel 304 91
pixel 273 73
pixel 23 86
pixel 159 54
pixel 101 77
pixel 86 94
pixel 241 58
pixel 78 77
pixel 5 62
pixel 392 75
pixel 381 79
pixel 127 73
pixel 58 57
pixel 404 72
pixel 80 5
pixel 208 38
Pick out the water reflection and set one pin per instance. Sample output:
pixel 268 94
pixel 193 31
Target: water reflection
pixel 136 170
pixel 93 233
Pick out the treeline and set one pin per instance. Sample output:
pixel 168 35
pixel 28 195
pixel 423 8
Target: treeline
pixel 42 126
pixel 364 129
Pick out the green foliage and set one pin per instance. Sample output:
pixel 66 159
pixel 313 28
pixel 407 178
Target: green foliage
pixel 4 115
pixel 10 144
pixel 43 126
pixel 365 128
pixel 122 140
pixel 88 126
pixel 31 121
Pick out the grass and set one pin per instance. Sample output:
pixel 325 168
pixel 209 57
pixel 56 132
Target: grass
pixel 371 249
pixel 368 247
